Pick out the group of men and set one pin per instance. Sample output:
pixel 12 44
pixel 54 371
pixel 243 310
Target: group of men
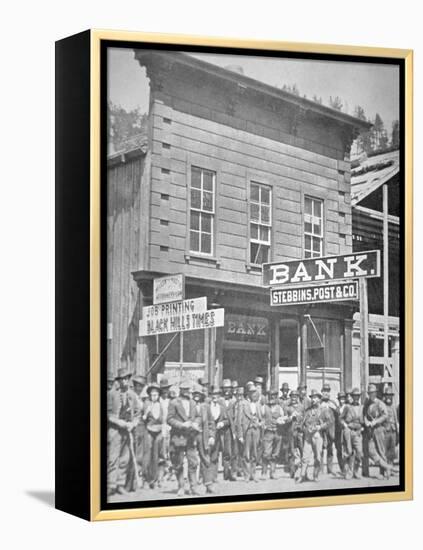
pixel 157 431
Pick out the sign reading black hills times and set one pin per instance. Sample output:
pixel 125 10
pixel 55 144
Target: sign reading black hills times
pixel 329 268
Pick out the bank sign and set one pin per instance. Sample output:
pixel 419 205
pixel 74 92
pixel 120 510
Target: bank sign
pixel 312 294
pixel 319 270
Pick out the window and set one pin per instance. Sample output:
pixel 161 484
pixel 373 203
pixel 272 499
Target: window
pixel 202 210
pixel 186 347
pixel 260 223
pixel 313 227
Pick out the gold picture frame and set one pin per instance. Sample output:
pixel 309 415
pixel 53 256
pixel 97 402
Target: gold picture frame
pixel 93 509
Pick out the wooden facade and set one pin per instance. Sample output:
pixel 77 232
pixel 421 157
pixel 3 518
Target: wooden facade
pixel 244 133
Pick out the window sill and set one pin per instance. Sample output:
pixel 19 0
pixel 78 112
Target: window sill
pixel 253 268
pixel 192 258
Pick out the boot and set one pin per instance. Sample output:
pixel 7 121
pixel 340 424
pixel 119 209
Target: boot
pixel 349 467
pixel 181 484
pixel 330 464
pixel 273 470
pixel 316 472
pixel 264 470
pixel 253 473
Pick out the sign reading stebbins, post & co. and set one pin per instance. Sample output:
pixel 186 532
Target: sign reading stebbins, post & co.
pixel 311 294
pixel 169 289
pixel 319 270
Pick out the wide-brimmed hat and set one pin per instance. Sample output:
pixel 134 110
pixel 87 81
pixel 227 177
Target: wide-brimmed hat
pixel 388 391
pixel 153 386
pixel 315 393
pixel 203 381
pixel 326 387
pixel 139 379
pixel 198 388
pixel 355 391
pixel 164 384
pixel 123 372
pixel 285 386
pixel 259 380
pixel 274 391
pixel 302 387
pixel 226 383
pixel 250 386
pixel 240 390
pixel 342 395
pixel 293 393
pixel 216 390
pixel 185 385
pixel 371 388
pixel 234 384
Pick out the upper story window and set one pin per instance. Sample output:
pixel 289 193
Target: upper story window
pixel 203 184
pixel 313 227
pixel 260 223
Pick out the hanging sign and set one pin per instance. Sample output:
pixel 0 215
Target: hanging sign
pixel 169 289
pixel 181 321
pixel 329 268
pixel 312 294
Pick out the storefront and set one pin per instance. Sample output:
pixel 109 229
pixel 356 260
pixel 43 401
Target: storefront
pixel 306 343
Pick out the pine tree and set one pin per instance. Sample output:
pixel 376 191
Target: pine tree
pixel 395 138
pixel 336 103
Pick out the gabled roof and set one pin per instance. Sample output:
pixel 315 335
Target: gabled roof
pixel 371 173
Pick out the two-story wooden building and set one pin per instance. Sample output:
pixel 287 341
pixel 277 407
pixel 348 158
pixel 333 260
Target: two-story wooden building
pixel 235 173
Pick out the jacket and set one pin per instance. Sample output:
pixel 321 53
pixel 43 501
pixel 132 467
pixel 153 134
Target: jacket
pixel 181 435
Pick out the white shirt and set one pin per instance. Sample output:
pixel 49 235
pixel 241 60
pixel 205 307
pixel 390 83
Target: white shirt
pixel 215 410
pixel 185 403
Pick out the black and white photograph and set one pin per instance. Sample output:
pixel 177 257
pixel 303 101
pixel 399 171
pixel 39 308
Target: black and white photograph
pixel 255 275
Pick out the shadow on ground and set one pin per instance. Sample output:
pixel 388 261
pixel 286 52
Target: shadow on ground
pixel 46 497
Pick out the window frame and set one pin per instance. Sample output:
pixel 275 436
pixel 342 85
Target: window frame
pixel 313 235
pixel 256 180
pixel 212 213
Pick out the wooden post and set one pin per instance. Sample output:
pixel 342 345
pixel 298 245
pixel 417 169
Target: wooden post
pixel 275 354
pixel 364 338
pixel 304 357
pixel 385 280
pixel 348 375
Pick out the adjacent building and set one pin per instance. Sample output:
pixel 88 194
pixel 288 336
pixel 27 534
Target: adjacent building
pixel 234 173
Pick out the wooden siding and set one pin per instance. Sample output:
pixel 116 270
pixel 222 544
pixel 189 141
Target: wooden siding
pixel 237 157
pixel 126 247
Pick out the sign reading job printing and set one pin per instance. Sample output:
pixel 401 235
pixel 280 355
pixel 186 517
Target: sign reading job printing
pixel 191 314
pixel 328 268
pixel 168 289
pixel 311 294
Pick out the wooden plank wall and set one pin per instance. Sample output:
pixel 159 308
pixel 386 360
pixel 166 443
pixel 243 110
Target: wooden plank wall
pixel 123 256
pixel 180 139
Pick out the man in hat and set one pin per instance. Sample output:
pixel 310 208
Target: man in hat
pixel 249 425
pixel 203 382
pixel 375 415
pixel 303 399
pixel 139 384
pixel 184 425
pixel 338 430
pixel 273 418
pixel 313 424
pixel 223 437
pixel 153 417
pixel 239 466
pixel 205 438
pixel 330 414
pixel 164 388
pixel 122 412
pixel 351 420
pixel 284 401
pixel 229 435
pixel 295 414
pixel 111 383
pixel 390 425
